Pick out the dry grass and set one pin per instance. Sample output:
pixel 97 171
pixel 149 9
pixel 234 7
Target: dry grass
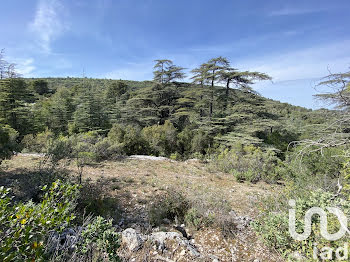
pixel 136 183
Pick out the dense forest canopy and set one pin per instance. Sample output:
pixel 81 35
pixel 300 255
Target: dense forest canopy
pixel 218 108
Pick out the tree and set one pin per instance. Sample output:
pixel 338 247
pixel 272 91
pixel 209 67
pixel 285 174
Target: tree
pixel 166 72
pixel 8 144
pixel 160 68
pixel 40 86
pixel 151 105
pixel 89 114
pixel 335 133
pixel 14 98
pixel 7 70
pixel 241 80
pixel 174 72
pixel 339 85
pixel 114 91
pixel 211 71
pixel 61 109
pixel 200 77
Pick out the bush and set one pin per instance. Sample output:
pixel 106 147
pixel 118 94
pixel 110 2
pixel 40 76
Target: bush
pixel 201 142
pixel 161 138
pixel 36 143
pixel 102 150
pixel 26 226
pixel 99 238
pixel 127 140
pixel 116 134
pixel 8 144
pixel 58 149
pixel 172 206
pixel 196 211
pixel 93 201
pixel 248 163
pixel 184 142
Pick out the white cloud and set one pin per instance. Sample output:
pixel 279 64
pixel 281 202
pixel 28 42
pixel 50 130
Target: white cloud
pixel 25 67
pixel 132 71
pixel 302 64
pixel 296 11
pixel 48 23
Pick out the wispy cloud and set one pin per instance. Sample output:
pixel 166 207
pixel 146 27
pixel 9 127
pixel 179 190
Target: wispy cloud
pixel 48 23
pixel 26 67
pixel 304 63
pixel 296 11
pixel 131 71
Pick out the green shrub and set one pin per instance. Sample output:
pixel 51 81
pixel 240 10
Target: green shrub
pixel 58 149
pixel 99 238
pixel 193 218
pixel 248 163
pixel 201 142
pixel 172 206
pixel 8 143
pixel 36 143
pixel 116 134
pixel 175 156
pixel 25 226
pixel 93 201
pixel 184 142
pixel 103 150
pixel 127 140
pixel 161 138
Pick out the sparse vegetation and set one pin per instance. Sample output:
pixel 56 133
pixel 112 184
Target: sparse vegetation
pixel 251 155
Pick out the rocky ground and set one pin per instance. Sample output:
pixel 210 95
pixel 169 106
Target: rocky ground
pixel 130 185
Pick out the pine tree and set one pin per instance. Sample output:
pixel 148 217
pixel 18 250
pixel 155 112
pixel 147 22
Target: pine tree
pixel 90 114
pixel 166 72
pixel 14 100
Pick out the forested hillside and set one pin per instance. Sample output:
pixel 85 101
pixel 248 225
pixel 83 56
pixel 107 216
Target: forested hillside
pixel 219 108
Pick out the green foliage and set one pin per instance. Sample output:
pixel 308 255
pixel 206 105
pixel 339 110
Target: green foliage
pixel 58 149
pixel 99 238
pixel 315 170
pixel 248 163
pixel 8 143
pixel 165 71
pixel 161 138
pixel 201 142
pixel 172 206
pixel 40 86
pixel 14 111
pixel 195 219
pixel 203 115
pixel 26 226
pixel 37 143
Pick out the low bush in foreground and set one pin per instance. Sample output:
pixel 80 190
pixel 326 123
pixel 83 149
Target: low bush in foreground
pixel 25 228
pixel 194 211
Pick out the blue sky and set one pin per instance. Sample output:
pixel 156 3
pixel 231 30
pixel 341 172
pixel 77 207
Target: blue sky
pixel 296 42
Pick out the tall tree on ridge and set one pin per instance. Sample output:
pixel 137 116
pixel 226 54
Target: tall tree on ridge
pixel 160 68
pixel 214 67
pixel 240 79
pixel 166 72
